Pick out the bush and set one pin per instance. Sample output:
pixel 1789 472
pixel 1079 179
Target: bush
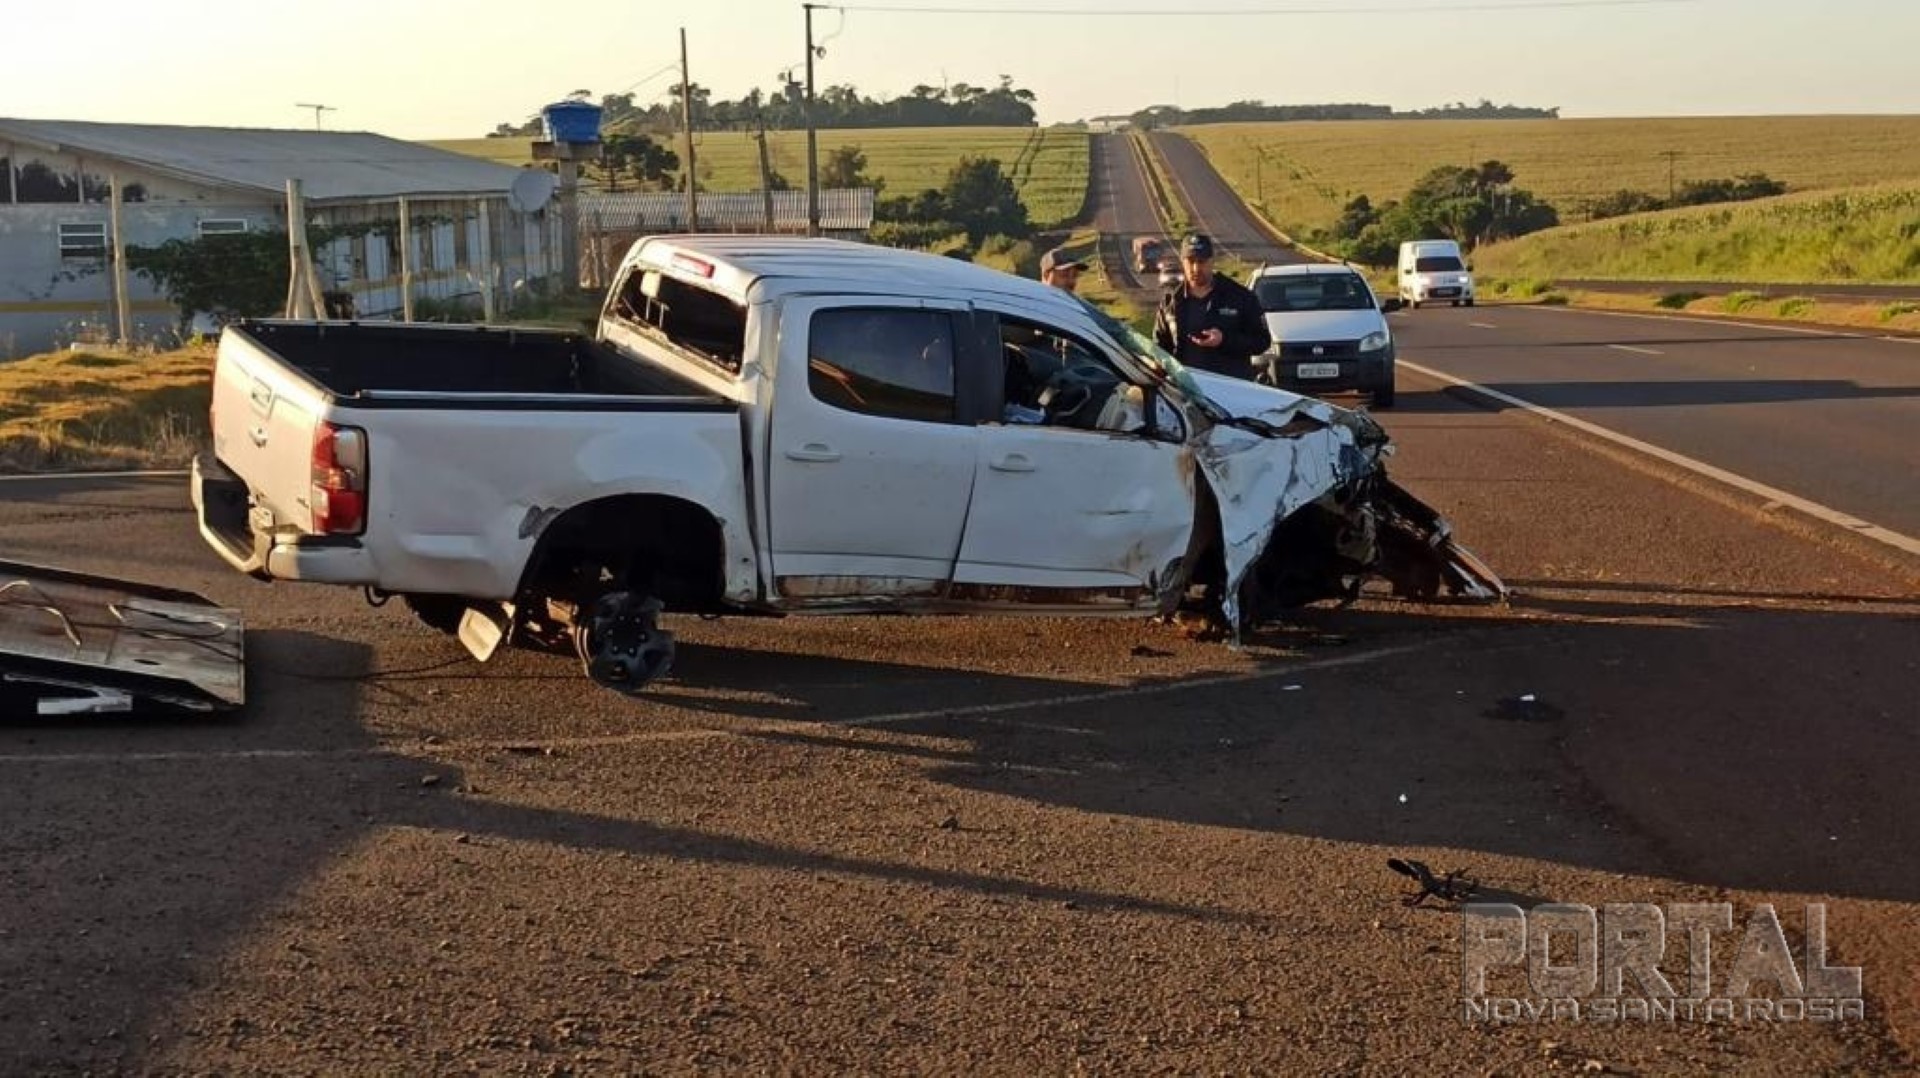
pixel 1795 306
pixel 1735 302
pixel 922 235
pixel 1894 310
pixel 1677 301
pixel 1009 255
pixel 1554 299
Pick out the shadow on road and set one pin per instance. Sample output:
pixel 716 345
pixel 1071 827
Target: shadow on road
pixel 1783 739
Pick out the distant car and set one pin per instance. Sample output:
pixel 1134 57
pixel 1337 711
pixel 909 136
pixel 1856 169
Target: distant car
pixel 1434 271
pixel 1170 274
pixel 1329 333
pixel 1148 252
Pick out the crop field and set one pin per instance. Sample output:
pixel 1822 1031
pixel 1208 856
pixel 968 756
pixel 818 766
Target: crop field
pixel 1048 164
pixel 1306 171
pixel 1853 235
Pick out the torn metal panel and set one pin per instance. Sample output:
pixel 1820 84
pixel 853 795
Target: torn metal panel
pixel 1267 467
pixel 1260 480
pixel 72 643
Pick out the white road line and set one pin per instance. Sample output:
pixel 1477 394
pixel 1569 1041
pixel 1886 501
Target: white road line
pixel 1875 532
pixel 983 713
pixel 1640 351
pixel 1697 320
pixel 1483 325
pixel 49 477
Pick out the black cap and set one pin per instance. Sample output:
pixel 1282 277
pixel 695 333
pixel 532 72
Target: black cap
pixel 1058 259
pixel 1197 245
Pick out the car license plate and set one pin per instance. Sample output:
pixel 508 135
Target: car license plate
pixel 1317 370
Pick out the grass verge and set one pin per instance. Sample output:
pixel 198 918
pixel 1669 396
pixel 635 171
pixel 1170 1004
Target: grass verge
pixel 100 409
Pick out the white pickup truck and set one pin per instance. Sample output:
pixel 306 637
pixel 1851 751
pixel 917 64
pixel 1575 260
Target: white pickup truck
pixel 783 425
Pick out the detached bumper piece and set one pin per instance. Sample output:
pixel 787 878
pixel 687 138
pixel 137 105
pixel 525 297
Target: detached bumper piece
pixel 77 644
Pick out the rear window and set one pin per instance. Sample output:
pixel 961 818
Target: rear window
pixel 1312 292
pixel 1437 264
pixel 708 324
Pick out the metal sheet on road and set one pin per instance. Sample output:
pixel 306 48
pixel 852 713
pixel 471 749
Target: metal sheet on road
pixel 1828 417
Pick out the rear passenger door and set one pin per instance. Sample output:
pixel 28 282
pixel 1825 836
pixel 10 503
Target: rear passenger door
pixel 870 468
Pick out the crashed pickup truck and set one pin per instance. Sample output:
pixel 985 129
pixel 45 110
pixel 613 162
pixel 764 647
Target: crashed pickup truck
pixel 784 426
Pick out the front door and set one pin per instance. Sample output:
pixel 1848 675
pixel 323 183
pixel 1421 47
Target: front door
pixel 869 469
pixel 1084 509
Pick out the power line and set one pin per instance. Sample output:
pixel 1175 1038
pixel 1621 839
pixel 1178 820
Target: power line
pixel 1449 9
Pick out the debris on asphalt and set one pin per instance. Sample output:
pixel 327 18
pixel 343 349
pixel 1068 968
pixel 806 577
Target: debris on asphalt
pixel 1526 708
pixel 1455 886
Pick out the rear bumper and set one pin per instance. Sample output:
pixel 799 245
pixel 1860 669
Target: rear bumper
pixel 242 534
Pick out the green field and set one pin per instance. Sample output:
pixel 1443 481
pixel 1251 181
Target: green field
pixel 1306 171
pixel 1048 164
pixel 1867 234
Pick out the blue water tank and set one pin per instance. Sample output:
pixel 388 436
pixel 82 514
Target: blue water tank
pixel 572 121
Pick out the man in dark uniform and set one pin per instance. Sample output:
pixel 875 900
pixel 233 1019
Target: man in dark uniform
pixel 1209 322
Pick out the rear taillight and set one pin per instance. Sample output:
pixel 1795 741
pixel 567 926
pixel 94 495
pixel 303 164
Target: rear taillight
pixel 339 495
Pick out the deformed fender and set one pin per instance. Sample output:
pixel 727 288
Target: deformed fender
pixel 1264 471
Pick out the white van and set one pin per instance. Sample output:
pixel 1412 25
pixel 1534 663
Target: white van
pixel 1432 271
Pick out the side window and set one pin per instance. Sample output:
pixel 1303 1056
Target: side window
pixel 888 362
pixel 1056 379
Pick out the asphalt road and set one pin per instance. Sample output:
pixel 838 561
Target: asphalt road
pixel 1123 210
pixel 1830 416
pixel 1214 207
pixel 866 844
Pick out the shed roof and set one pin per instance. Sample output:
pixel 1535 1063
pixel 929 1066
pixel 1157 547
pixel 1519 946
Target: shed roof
pixel 331 165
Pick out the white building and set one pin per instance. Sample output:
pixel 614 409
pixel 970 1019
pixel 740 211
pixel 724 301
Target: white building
pixel 183 182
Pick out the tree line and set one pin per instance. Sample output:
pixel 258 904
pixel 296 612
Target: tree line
pixel 1260 111
pixel 840 106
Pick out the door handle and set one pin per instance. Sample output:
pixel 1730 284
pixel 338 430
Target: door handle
pixel 259 436
pixel 1012 462
pixel 814 452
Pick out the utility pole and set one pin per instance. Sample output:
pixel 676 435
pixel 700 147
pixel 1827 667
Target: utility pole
pixel 686 121
pixel 766 173
pixel 813 138
pixel 317 110
pixel 1670 155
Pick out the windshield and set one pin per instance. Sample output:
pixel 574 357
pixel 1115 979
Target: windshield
pixel 1143 348
pixel 1437 264
pixel 1312 292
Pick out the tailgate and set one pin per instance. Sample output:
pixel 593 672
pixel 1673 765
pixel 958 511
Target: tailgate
pixel 264 415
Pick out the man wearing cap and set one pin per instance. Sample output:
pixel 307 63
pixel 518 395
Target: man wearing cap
pixel 1061 270
pixel 1209 322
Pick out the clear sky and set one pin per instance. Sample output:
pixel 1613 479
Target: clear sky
pixel 453 68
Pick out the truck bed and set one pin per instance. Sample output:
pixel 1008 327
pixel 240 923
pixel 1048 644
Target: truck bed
pixel 355 359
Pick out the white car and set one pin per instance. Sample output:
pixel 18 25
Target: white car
pixel 1329 333
pixel 1434 271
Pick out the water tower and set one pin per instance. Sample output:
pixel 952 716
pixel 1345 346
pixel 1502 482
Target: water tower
pixel 573 136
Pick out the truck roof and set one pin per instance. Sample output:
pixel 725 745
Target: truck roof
pixel 794 264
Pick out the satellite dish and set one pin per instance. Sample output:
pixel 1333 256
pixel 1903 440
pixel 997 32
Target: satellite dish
pixel 531 190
